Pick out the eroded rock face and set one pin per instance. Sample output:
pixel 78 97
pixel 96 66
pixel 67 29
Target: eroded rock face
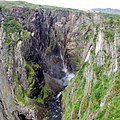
pixel 47 50
pixel 50 29
pixel 7 98
pixel 33 69
pixel 55 32
pixel 44 57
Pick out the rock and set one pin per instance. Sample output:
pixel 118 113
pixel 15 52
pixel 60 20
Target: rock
pixel 56 85
pixel 43 46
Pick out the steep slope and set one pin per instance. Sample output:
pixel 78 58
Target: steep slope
pixel 41 49
pixel 94 94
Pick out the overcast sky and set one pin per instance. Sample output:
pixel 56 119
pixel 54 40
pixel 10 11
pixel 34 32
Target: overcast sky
pixel 79 4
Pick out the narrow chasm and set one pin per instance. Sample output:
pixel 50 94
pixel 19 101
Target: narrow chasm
pixel 51 77
pixel 58 64
pixel 47 66
pixel 38 63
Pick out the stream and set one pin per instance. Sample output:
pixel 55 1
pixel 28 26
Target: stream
pixel 55 108
pixel 54 103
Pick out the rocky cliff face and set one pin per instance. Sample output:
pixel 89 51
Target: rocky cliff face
pixel 42 49
pixel 94 93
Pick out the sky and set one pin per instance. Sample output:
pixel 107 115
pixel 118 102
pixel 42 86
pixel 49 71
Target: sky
pixel 78 4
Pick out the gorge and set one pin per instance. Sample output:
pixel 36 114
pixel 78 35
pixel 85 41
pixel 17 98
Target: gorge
pixel 58 64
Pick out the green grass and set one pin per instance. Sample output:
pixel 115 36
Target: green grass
pixel 73 102
pixel 31 74
pixel 109 35
pixel 22 94
pixel 111 16
pixel 13 27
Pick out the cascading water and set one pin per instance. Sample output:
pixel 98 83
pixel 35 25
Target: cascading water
pixel 54 103
pixel 68 75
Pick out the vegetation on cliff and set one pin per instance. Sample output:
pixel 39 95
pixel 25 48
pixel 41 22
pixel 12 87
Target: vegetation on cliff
pixel 94 92
pixel 40 46
pixel 14 31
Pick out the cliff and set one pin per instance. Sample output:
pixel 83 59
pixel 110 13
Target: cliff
pixel 42 49
pixel 94 93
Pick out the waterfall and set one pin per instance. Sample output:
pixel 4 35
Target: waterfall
pixel 68 75
pixel 55 106
pixel 62 57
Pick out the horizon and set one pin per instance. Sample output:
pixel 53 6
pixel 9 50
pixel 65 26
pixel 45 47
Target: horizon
pixel 77 4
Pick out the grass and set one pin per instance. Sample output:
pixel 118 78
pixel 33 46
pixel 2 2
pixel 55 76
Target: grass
pixel 31 74
pixel 109 34
pixel 72 103
pixel 22 93
pixel 13 27
pixel 111 16
pixel 76 101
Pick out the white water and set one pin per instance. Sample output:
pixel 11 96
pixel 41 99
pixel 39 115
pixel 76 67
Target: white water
pixel 62 57
pixel 59 94
pixel 32 34
pixel 69 75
